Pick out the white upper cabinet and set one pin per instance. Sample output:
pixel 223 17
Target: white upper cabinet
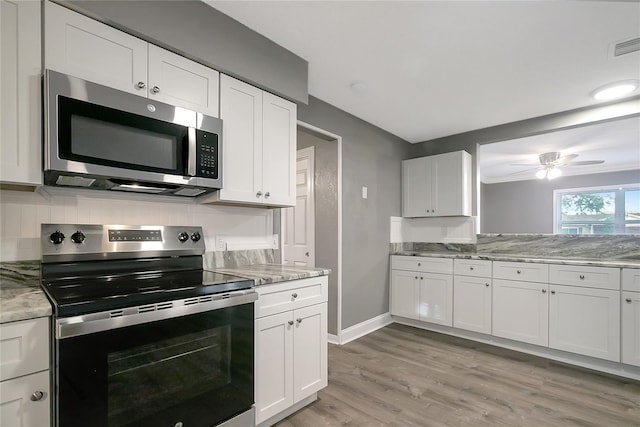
pixel 437 185
pixel 85 48
pixel 259 146
pixel 20 93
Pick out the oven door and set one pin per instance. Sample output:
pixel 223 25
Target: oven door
pixel 189 370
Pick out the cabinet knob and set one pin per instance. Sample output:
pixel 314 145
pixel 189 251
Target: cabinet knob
pixel 582 277
pixel 419 264
pixel 471 268
pixel 141 85
pixel 294 295
pixel 37 395
pixel 299 321
pixel 544 291
pixel 290 322
pixel 628 300
pixel 155 89
pixel 259 194
pixel 421 278
pixel 266 195
pixel 518 271
pixel 486 284
pixel 416 277
pixel 553 292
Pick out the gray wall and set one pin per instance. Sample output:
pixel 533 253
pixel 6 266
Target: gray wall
pixel 197 31
pixel 326 213
pixel 371 157
pixel 527 206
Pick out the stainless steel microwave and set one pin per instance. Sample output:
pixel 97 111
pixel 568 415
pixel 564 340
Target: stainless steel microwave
pixel 103 138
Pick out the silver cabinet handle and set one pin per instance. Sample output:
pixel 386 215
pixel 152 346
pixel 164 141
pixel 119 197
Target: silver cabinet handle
pixel 582 277
pixel 628 300
pixel 290 322
pixel 259 194
pixel 294 295
pixel 37 395
pixel 141 85
pixel 155 89
pixel 266 195
pixel 299 321
pixel 544 291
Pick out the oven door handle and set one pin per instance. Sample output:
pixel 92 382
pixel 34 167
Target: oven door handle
pixel 68 327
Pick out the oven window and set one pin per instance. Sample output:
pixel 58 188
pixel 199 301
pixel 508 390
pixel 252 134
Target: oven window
pixel 104 136
pixel 196 370
pixel 146 379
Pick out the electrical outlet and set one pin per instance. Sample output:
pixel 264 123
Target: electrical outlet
pixel 364 192
pixel 221 243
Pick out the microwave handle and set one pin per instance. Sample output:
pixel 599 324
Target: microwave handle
pixel 191 165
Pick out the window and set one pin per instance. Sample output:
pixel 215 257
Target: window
pixel 600 210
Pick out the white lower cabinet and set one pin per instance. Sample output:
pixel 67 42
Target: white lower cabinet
pixel 291 345
pixel 405 294
pixel 521 311
pixel 585 321
pixel 21 405
pixel 472 303
pixel 631 328
pixel 436 298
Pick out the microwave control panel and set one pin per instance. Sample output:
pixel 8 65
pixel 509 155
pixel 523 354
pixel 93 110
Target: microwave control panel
pixel 206 154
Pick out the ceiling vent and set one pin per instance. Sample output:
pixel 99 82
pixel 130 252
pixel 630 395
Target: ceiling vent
pixel 626 46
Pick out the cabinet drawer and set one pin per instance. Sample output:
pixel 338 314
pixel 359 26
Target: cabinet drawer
pixel 427 265
pixel 24 347
pixel 524 271
pixel 472 267
pixel 285 296
pixel 589 277
pixel 631 279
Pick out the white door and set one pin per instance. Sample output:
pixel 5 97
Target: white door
pixel 179 81
pixel 299 222
pixel 585 321
pixel 16 407
pixel 472 303
pixel 309 350
pixel 521 311
pixel 90 50
pixel 416 187
pixel 278 151
pixel 20 93
pixel 631 328
pixel 241 114
pixel 405 294
pixel 274 364
pixel 436 298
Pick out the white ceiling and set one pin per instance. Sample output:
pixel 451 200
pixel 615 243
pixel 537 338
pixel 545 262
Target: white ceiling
pixel 616 142
pixel 435 68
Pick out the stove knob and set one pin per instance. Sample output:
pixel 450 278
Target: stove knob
pixel 57 237
pixel 195 236
pixel 78 237
pixel 183 237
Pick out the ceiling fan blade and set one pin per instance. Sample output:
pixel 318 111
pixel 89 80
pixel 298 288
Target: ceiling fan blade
pixel 584 162
pixel 564 159
pixel 521 172
pixel 525 164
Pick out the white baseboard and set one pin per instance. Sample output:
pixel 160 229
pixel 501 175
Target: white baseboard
pixel 333 339
pixel 364 328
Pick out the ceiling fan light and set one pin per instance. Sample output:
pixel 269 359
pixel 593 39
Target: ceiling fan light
pixel 554 173
pixel 615 90
pixel 541 174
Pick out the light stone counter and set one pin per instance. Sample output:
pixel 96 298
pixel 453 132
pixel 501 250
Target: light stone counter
pixel 20 295
pixel 273 273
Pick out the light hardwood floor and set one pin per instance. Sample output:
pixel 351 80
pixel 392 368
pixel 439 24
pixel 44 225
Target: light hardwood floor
pixel 404 376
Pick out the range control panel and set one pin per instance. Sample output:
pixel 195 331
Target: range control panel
pixel 135 236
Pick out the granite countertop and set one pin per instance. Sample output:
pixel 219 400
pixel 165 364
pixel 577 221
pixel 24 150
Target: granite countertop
pixel 522 258
pixel 20 295
pixel 273 273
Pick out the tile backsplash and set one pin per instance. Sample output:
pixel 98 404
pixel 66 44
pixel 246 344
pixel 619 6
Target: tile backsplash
pixel 22 213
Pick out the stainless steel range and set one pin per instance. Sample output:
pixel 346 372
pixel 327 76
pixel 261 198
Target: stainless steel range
pixel 143 335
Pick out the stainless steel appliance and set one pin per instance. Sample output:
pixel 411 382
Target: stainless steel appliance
pixel 143 335
pixel 99 137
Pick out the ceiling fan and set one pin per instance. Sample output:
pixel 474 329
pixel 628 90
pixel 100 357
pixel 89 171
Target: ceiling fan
pixel 550 163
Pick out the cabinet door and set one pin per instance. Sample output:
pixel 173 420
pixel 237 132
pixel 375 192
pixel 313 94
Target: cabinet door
pixel 16 407
pixel 179 81
pixel 451 176
pixel 90 50
pixel 309 350
pixel 405 294
pixel 472 303
pixel 20 93
pixel 278 151
pixel 274 364
pixel 241 114
pixel 416 187
pixel 521 311
pixel 631 328
pixel 585 321
pixel 436 298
